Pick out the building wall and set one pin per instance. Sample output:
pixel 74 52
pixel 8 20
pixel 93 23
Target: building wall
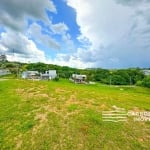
pixel 52 74
pixel 146 72
pixel 30 74
pixel 4 72
pixel 3 58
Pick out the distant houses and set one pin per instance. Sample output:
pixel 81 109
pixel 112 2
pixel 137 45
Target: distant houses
pixel 30 75
pixel 146 72
pixel 4 72
pixel 48 75
pixel 78 78
pixel 3 58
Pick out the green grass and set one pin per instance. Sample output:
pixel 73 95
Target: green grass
pixel 42 115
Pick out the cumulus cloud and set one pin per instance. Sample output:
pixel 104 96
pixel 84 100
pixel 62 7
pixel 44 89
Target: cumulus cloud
pixel 98 23
pixel 17 44
pixel 113 33
pixel 14 12
pixel 21 41
pixel 35 32
pixel 117 33
pixel 66 38
pixel 132 2
pixel 70 60
pixel 14 18
pixel 59 28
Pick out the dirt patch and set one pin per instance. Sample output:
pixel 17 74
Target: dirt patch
pixel 41 95
pixel 18 140
pixel 72 98
pixel 31 90
pixel 136 109
pixel 68 103
pixel 103 107
pixel 31 93
pixel 59 90
pixel 41 117
pixel 49 108
pixel 19 91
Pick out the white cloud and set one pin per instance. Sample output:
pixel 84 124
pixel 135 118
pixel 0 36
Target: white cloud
pixel 13 18
pixel 114 33
pixel 98 23
pixel 35 31
pixel 15 12
pixel 70 60
pixel 114 30
pixel 66 38
pixel 59 28
pixel 24 49
pixel 23 40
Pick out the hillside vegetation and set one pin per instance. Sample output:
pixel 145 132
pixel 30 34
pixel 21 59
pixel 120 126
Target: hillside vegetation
pixel 129 76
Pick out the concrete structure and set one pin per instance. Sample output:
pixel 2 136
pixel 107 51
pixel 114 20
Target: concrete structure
pixel 146 72
pixel 79 78
pixel 4 72
pixel 48 75
pixel 30 75
pixel 3 58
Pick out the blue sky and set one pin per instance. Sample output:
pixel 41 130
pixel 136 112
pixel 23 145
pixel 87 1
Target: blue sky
pixel 77 33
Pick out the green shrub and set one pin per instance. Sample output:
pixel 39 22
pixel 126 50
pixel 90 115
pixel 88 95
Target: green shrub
pixel 56 79
pixel 139 83
pixel 146 81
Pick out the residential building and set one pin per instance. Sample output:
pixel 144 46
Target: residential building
pixel 79 78
pixel 3 58
pixel 30 75
pixel 146 72
pixel 4 72
pixel 48 75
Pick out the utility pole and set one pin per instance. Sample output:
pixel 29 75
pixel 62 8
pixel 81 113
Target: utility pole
pixel 17 71
pixel 110 80
pixel 130 80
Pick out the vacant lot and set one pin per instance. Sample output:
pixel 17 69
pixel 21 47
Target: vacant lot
pixel 40 115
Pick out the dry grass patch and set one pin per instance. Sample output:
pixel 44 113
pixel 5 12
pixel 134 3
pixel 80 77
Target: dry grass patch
pixel 18 141
pixel 60 90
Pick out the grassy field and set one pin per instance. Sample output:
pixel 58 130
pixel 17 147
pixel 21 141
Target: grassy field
pixel 41 115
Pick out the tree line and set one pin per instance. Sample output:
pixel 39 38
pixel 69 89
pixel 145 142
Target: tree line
pixel 129 76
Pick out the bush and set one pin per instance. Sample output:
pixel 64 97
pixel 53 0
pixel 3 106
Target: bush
pixel 146 81
pixel 139 83
pixel 118 80
pixel 56 79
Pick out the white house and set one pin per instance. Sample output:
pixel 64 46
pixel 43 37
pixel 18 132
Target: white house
pixel 48 75
pixel 30 75
pixel 4 72
pixel 3 58
pixel 146 72
pixel 79 78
